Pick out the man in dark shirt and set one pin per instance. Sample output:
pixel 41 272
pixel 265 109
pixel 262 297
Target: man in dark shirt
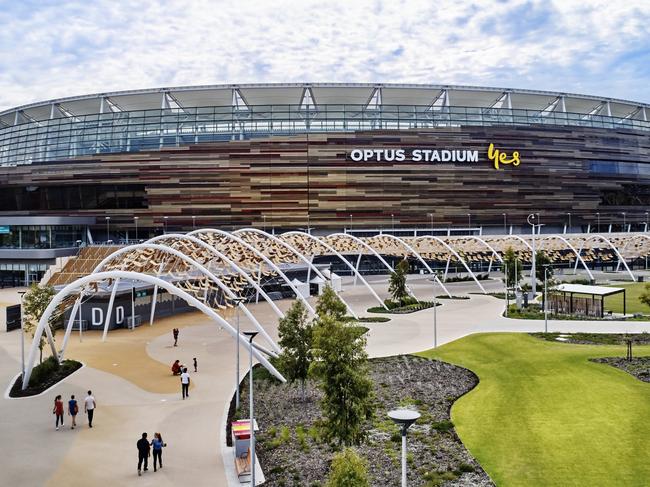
pixel 143 452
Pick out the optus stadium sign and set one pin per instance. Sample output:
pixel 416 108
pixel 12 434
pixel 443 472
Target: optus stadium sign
pixel 497 156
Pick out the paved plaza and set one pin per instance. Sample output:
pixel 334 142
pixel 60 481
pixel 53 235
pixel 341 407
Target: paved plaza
pixel 130 377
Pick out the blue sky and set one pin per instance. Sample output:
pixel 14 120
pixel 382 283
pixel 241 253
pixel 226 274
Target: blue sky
pixel 51 49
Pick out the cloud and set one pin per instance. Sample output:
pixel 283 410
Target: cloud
pixel 66 48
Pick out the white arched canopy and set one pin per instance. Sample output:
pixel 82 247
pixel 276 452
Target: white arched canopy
pixel 602 238
pixel 76 285
pixel 573 249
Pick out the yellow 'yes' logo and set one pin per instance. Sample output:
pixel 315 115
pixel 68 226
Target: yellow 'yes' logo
pixel 499 157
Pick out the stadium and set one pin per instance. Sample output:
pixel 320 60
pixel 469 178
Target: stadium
pixel 322 158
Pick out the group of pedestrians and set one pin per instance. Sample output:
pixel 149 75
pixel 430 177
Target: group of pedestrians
pixel 145 448
pixel 73 409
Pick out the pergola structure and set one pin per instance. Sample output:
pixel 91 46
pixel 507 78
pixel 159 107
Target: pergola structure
pixel 212 269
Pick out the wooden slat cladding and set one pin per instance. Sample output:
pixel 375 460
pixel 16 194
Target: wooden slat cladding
pixel 287 178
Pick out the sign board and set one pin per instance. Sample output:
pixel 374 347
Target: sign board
pixel 4 229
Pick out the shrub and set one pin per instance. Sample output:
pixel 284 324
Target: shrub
pixel 348 470
pixel 442 426
pixel 466 468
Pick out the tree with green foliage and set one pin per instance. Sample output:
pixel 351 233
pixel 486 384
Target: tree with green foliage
pixel 341 365
pixel 329 304
pixel 295 339
pixel 397 282
pixel 645 295
pixel 348 470
pixel 512 264
pixel 541 260
pixel 35 300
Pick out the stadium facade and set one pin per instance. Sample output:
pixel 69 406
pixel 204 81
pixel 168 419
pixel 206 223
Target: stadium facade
pixel 133 164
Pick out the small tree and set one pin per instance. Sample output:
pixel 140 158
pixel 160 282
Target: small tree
pixel 341 364
pixel 512 265
pixel 329 304
pixel 348 470
pixel 397 282
pixel 542 259
pixel 645 295
pixel 295 334
pixel 34 303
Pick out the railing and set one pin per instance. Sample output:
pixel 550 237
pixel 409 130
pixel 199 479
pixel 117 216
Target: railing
pixel 68 137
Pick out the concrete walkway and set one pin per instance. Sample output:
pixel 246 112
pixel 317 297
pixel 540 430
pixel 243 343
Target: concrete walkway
pixel 130 378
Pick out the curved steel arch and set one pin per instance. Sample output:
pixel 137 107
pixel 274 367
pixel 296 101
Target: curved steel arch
pixel 584 264
pixel 516 237
pixel 261 256
pixel 479 239
pixel 419 257
pixel 628 241
pixel 225 258
pixel 135 276
pixel 196 265
pixel 613 247
pixel 344 260
pixel 300 255
pixel 460 259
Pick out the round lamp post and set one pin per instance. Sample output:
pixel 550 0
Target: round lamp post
pixel 251 335
pixel 404 418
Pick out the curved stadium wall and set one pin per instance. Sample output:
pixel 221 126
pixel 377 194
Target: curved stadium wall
pixel 289 156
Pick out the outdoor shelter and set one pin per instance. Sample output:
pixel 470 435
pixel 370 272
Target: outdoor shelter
pixel 594 291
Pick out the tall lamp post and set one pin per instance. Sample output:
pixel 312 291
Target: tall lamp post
pixel 108 226
pixel 251 335
pixel 350 222
pixel 569 227
pixel 531 222
pixel 404 418
pixel 546 266
pixel 469 220
pixel 598 222
pixel 193 222
pixel 431 220
pixel 22 335
pixel 237 302
pixel 505 231
pixel 392 220
pixel 623 213
pixel 135 219
pixel 165 225
pixel 645 229
pixel 435 315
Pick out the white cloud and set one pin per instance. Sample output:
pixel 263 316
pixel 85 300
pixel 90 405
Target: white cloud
pixel 71 48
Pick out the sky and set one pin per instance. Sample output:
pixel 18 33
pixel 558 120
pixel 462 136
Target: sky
pixel 53 49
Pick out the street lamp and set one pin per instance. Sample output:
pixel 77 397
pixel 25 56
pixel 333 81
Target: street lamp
pixel 504 223
pixel 135 219
pixel 164 224
pixel 598 220
pixel 350 222
pixel 108 224
pixel 569 228
pixel 546 266
pixel 532 261
pixel 237 302
pixel 435 316
pixel 251 336
pixel 193 222
pixel 623 213
pixel 392 218
pixel 22 335
pixel 431 219
pixel 469 221
pixel 404 418
pixel 646 222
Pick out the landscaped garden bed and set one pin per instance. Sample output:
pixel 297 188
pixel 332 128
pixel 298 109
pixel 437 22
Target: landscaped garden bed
pixel 44 376
pixel 639 367
pixel 292 453
pixel 444 296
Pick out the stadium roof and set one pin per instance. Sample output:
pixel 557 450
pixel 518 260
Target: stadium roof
pixel 313 95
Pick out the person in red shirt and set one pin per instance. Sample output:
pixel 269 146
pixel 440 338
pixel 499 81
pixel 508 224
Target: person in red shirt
pixel 58 411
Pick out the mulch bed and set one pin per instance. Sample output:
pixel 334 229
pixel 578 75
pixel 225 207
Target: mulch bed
pixel 639 367
pixel 68 367
pixel 291 452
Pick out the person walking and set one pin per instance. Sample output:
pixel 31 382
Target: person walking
pixel 175 333
pixel 157 445
pixel 185 383
pixel 73 409
pixel 196 365
pixel 143 453
pixel 58 411
pixel 89 407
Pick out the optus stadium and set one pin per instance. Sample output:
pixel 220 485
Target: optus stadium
pixel 365 157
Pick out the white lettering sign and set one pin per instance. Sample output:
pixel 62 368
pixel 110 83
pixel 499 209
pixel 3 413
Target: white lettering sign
pixel 414 155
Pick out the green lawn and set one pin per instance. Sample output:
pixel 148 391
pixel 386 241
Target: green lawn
pixel 544 415
pixel 632 291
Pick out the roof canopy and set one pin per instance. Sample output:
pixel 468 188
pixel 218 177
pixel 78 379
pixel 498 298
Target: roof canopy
pixel 593 290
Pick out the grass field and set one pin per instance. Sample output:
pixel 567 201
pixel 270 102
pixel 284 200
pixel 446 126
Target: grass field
pixel 632 291
pixel 544 415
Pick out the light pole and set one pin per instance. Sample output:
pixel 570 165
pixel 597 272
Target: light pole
pixel 350 222
pixel 193 222
pixel 504 224
pixel 164 225
pixel 545 299
pixel 431 220
pixel 135 219
pixel 623 213
pixel 531 222
pixel 505 264
pixel 392 219
pixel 404 418
pixel 569 227
pixel 598 222
pixel 22 335
pixel 469 221
pixel 251 336
pixel 435 315
pixel 237 302
pixel 108 226
pixel 646 222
